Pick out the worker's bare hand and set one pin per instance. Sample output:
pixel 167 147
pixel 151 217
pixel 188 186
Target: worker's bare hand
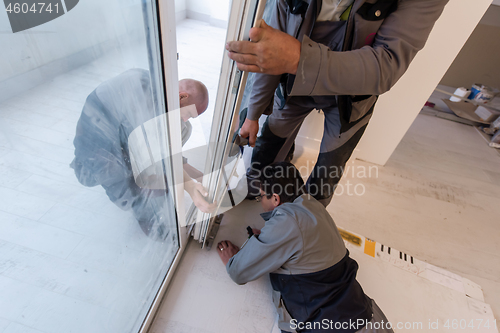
pixel 269 51
pixel 198 194
pixel 249 130
pixel 226 250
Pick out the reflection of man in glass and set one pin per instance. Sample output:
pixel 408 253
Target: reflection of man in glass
pixel 111 112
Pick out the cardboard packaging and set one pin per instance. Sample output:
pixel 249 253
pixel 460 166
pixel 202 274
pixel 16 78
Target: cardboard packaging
pixel 486 114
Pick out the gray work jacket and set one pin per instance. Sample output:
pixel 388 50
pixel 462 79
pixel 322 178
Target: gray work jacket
pixel 377 49
pixel 300 240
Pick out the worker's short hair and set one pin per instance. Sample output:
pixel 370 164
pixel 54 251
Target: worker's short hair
pixel 283 179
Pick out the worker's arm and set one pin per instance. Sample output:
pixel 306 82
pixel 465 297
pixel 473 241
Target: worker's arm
pixel 192 172
pixel 370 70
pixel 279 240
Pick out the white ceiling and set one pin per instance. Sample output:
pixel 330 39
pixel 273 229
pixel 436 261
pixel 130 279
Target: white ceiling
pixel 496 2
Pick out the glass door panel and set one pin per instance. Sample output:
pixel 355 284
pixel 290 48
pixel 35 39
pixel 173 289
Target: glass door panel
pixel 192 36
pixel 88 225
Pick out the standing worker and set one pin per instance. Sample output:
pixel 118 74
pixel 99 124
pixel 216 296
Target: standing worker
pixel 333 55
pixel 312 275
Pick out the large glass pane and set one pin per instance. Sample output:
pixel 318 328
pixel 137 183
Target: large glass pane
pixel 88 228
pixel 200 45
pixel 225 167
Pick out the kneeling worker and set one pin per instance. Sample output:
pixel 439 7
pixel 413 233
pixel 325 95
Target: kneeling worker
pixel 313 277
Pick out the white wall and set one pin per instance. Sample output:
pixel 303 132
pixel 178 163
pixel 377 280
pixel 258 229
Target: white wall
pixel 215 12
pixel 200 6
pixel 478 59
pixel 180 10
pixel 88 24
pixel 219 9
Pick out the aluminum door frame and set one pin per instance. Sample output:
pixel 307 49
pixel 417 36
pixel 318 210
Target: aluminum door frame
pixel 165 28
pixel 244 14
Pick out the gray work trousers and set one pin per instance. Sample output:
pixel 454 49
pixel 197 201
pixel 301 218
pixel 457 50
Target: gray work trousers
pixel 280 131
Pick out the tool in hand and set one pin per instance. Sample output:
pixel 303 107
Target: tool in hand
pixel 250 234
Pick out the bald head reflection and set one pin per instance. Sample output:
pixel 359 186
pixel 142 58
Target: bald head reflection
pixel 193 92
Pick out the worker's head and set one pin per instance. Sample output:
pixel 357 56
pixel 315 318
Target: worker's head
pixel 279 183
pixel 193 98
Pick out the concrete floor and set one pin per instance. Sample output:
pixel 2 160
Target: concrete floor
pixel 438 199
